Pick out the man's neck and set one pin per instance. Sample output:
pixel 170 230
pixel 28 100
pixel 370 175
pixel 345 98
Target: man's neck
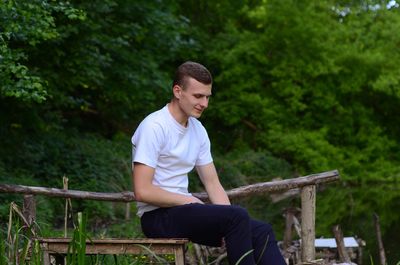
pixel 177 113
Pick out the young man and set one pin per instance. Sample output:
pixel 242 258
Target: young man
pixel 167 145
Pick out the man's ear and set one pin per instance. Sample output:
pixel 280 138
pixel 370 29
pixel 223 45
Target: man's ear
pixel 177 90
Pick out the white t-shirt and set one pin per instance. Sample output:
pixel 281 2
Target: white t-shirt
pixel 171 149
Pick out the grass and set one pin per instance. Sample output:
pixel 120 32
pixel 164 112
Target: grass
pixel 18 247
pixel 77 248
pixel 77 251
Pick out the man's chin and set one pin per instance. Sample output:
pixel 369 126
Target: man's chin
pixel 196 114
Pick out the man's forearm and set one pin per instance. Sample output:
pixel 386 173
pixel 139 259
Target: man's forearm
pixel 218 195
pixel 162 198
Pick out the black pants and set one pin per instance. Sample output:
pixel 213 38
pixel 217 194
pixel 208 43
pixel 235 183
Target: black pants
pixel 207 224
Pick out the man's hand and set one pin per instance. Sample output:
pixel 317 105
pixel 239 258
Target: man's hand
pixel 196 200
pixel 209 177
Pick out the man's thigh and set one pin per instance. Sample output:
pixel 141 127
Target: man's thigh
pixel 201 223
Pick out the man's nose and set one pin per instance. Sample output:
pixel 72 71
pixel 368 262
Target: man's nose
pixel 204 102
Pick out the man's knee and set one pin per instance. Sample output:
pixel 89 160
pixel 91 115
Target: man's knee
pixel 262 229
pixel 239 213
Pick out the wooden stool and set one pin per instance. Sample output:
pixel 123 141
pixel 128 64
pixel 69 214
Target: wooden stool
pixel 109 246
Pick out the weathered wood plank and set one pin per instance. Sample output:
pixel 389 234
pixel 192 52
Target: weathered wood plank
pixel 128 196
pixel 118 246
pixel 125 196
pixel 343 255
pixel 382 255
pixel 308 198
pixel 173 241
pixel 29 209
pixel 278 185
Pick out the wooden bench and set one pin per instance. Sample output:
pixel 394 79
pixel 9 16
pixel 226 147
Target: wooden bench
pixel 116 246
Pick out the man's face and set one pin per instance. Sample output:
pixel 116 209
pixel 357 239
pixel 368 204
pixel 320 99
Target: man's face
pixel 193 99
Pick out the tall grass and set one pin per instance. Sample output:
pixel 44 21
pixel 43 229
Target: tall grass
pixel 242 257
pixel 17 248
pixel 3 260
pixel 77 251
pixel 77 248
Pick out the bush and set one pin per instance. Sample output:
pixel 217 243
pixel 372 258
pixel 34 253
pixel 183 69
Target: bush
pixel 90 163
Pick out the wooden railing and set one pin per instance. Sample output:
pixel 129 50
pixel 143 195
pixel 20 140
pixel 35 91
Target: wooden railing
pixel 306 184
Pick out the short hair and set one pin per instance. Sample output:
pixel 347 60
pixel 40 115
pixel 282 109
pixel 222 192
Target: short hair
pixel 193 70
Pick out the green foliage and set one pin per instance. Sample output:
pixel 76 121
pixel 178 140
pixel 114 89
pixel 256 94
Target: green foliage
pixel 303 80
pixel 88 161
pixel 301 84
pixel 25 24
pixel 3 260
pixel 300 87
pixel 77 248
pixel 18 246
pixel 92 61
pixel 244 168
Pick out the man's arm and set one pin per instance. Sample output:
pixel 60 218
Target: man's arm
pixel 209 177
pixel 145 191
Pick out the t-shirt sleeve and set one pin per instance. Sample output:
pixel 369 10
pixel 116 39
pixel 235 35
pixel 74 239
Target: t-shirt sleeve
pixel 205 156
pixel 146 144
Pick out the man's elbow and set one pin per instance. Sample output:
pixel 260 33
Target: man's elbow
pixel 140 195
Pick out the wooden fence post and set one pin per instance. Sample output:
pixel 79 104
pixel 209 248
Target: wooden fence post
pixel 341 248
pixel 291 223
pixel 308 194
pixel 29 211
pixel 287 236
pixel 382 255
